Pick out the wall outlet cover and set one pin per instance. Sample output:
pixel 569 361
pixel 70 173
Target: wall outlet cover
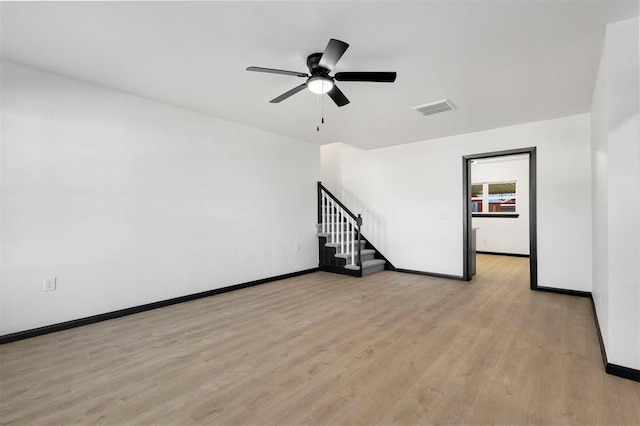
pixel 49 284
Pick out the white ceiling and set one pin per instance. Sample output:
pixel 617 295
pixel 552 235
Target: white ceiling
pixel 500 62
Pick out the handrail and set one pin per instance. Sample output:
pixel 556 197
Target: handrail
pixel 346 209
pixel 340 223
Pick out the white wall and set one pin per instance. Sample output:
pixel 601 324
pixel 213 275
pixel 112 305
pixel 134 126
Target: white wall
pixel 504 235
pixel 411 197
pixel 600 210
pixel 129 201
pixel 331 170
pixel 616 152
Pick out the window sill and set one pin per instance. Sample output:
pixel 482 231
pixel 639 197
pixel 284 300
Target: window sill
pixel 509 215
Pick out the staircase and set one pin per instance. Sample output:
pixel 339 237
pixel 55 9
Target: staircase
pixel 342 248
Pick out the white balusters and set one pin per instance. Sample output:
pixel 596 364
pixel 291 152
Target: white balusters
pixel 336 212
pixel 344 233
pixel 353 245
pixel 341 230
pixel 323 213
pixel 329 216
pixel 348 236
pixel 341 227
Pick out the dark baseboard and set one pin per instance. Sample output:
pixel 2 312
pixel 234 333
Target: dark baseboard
pixel 600 341
pixel 13 337
pixel 497 253
pixel 564 291
pixel 429 274
pixel 613 369
pixel 624 372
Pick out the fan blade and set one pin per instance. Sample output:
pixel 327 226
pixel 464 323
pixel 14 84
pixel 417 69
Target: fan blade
pixel 379 77
pixel 338 97
pixel 289 93
pixel 332 54
pixel 275 71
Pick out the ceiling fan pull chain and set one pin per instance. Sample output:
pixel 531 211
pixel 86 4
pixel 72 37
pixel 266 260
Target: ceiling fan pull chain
pixel 318 111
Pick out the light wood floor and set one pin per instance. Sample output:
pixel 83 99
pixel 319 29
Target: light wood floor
pixel 391 348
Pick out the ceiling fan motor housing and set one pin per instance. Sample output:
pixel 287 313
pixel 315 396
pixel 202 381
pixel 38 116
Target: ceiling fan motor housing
pixel 315 69
pixel 320 82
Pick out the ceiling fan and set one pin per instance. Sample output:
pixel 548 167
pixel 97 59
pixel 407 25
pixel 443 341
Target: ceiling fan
pixel 319 81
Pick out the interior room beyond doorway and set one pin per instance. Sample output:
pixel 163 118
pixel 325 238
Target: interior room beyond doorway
pixel 500 204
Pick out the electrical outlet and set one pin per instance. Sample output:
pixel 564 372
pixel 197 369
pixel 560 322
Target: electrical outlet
pixel 49 284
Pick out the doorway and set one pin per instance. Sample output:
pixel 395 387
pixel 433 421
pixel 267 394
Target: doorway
pixel 468 249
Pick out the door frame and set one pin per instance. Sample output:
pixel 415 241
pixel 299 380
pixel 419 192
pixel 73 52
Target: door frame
pixel 533 229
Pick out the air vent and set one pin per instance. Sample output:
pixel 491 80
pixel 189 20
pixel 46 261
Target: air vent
pixel 435 107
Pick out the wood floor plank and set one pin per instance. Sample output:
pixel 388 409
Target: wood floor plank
pixel 390 348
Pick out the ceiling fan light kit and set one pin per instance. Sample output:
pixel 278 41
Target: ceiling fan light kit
pixel 320 82
pixel 320 85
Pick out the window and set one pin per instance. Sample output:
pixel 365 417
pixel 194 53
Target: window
pixel 476 198
pixel 494 199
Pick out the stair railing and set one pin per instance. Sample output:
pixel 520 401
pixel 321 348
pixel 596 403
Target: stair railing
pixel 341 224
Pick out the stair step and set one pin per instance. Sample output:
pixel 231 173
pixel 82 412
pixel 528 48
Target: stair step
pixel 338 245
pixel 363 253
pixel 369 266
pixel 355 241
